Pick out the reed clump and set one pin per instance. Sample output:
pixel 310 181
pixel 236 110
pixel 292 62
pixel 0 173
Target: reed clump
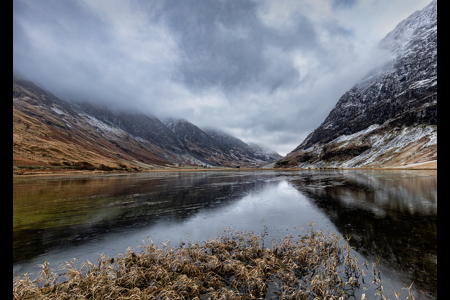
pixel 236 265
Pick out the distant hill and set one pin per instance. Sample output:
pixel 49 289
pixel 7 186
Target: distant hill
pixel 216 147
pixel 389 118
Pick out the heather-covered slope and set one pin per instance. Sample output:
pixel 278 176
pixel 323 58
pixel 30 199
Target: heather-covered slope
pixel 389 118
pixel 48 131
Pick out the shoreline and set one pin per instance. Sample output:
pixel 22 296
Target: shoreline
pixel 236 265
pixel 431 165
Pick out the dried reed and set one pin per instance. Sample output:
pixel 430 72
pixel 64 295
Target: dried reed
pixel 234 266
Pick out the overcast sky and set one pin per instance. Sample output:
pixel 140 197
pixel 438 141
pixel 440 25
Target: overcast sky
pixel 264 71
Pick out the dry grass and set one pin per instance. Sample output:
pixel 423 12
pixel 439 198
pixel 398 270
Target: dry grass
pixel 236 265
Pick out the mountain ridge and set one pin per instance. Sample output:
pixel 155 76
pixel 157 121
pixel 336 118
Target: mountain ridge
pixel 50 131
pixel 219 148
pixel 393 102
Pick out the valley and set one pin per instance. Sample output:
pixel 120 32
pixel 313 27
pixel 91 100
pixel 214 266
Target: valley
pixel 51 135
pixel 386 120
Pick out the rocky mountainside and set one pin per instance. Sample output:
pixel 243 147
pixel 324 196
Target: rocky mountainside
pixel 49 131
pixel 256 155
pixel 145 128
pixel 216 147
pixel 389 118
pixel 264 153
pixel 251 151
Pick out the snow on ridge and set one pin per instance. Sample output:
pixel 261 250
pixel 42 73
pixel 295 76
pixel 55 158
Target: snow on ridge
pixel 386 142
pixel 390 141
pixel 262 149
pixel 421 83
pixel 57 110
pixel 433 139
pixel 103 127
pixel 418 22
pixel 346 138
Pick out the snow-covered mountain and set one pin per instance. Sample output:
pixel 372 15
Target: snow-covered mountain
pixel 389 118
pixel 49 131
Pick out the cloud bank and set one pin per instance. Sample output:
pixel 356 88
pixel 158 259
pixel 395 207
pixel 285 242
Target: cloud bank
pixel 265 71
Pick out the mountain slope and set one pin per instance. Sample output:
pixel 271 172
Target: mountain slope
pixel 264 153
pixel 148 130
pixel 62 134
pixel 199 144
pixel 246 152
pixel 217 148
pixel 50 131
pixel 389 118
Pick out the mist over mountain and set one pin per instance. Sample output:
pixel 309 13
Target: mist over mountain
pixel 257 71
pixel 389 118
pixel 49 131
pixel 217 147
pixel 263 71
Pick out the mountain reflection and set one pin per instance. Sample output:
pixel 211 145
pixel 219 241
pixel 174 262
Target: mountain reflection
pixel 389 215
pixel 59 212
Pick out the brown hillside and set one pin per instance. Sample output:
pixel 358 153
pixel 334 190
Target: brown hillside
pixel 48 132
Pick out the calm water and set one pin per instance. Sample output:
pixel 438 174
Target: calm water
pixel 390 215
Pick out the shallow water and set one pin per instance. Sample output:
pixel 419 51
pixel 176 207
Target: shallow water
pixel 390 215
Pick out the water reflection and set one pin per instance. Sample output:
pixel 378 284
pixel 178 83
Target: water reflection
pixel 390 215
pixel 55 212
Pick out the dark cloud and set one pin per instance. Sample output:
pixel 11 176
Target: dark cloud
pixel 54 47
pixel 343 3
pixel 224 43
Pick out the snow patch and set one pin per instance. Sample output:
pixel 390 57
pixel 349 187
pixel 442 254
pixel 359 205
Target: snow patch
pixel 57 110
pixel 104 128
pixel 422 83
pixel 352 137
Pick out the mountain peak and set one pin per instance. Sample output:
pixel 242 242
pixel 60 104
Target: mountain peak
pixel 390 116
pixel 410 29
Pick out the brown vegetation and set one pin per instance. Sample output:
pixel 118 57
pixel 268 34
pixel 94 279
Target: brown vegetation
pixel 235 266
pixel 50 136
